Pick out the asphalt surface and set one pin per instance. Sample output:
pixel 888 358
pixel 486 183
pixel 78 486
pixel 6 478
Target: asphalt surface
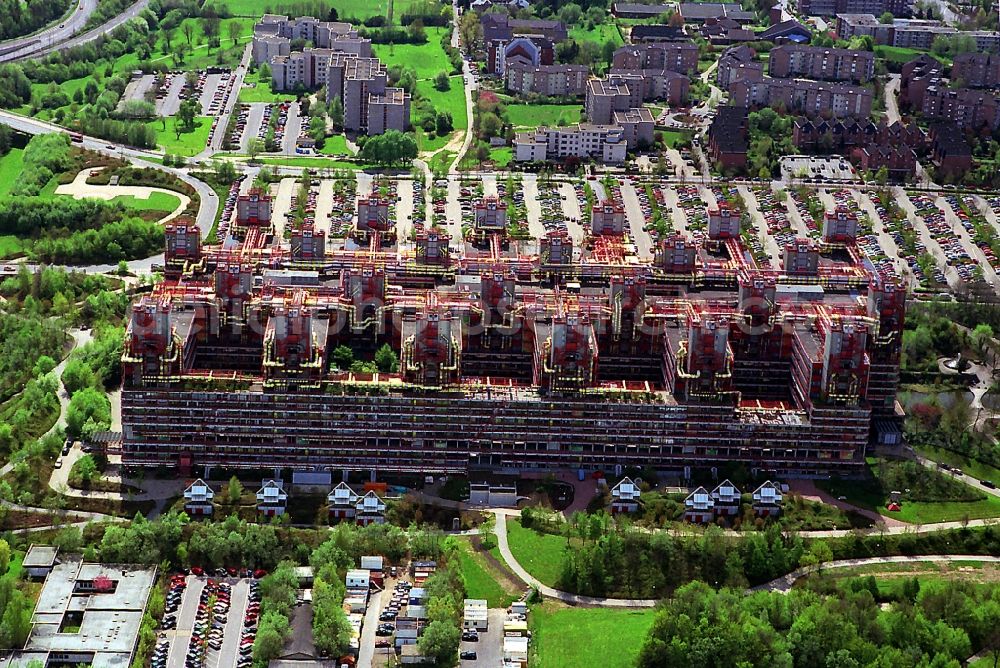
pixel 68 41
pixel 489 647
pixel 181 636
pixel 62 29
pixel 227 656
pixel 366 652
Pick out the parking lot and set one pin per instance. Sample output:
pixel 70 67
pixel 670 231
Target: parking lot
pixel 208 623
pixel 167 90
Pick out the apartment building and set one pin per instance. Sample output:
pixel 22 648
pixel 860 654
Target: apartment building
pixel 824 64
pixel 606 96
pixel 976 70
pixel 274 33
pixel 822 134
pixel 909 33
pixel 727 138
pixel 637 125
pixel 605 143
pixel 679 57
pixel 699 12
pixel 950 152
pixel 915 77
pixel 549 80
pixel 388 110
pixel 966 107
pixel 810 98
pixel 738 63
pixel 670 87
pixel 874 7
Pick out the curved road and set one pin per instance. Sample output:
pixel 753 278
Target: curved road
pixel 66 40
pixel 63 29
pixel 139 158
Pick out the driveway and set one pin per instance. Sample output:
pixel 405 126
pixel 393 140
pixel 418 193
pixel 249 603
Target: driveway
pixel 181 636
pixel 367 650
pixel 227 656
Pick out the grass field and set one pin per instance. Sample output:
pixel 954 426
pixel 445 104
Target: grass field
pixel 441 161
pixel 426 59
pixel 337 144
pixel 10 168
pixel 600 34
pixel 869 495
pixel 502 155
pixel 574 637
pixel 535 115
pixel 541 554
pixel 155 202
pixel 672 137
pixel 189 143
pixel 361 9
pixel 900 54
pixel 10 246
pixel 261 92
pixel 451 100
pixel 479 582
pixel 314 163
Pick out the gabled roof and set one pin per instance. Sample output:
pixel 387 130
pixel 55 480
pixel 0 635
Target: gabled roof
pixel 726 491
pixel 626 490
pixel 699 499
pixel 787 28
pixel 342 495
pixel 271 492
pixel 200 490
pixel 768 493
pixel 370 503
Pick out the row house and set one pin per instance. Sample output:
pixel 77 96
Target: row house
pixel 548 80
pixel 680 57
pixel 625 497
pixel 899 160
pixel 968 108
pixel 810 98
pixel 821 63
pixel 976 70
pixel 738 63
pixel 198 499
pixel 346 504
pixel 703 507
pixel 272 500
pixel 823 134
pixel 950 151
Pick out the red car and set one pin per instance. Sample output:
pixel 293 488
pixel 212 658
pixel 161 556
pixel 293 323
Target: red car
pixel 197 570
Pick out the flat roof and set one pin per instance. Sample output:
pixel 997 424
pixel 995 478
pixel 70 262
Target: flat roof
pixel 40 556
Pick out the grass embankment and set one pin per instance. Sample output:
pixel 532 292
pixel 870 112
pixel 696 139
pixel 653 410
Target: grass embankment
pixel 480 580
pixel 541 554
pixel 573 637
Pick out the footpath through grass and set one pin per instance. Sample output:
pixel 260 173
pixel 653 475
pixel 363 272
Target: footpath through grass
pixel 574 637
pixel 540 554
pixel 479 581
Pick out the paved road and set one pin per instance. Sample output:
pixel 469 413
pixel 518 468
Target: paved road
pixel 469 83
pixel 230 103
pixel 67 41
pixel 784 583
pixel 61 30
pixel 140 158
pixel 367 650
pixel 891 102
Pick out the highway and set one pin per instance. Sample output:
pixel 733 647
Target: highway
pixel 63 38
pixel 58 32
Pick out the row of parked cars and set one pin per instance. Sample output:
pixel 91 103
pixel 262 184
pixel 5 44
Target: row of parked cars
pixel 249 633
pixel 229 206
pixel 945 237
pixel 175 594
pixel 209 623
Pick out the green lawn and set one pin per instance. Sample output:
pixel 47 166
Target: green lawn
pixel 427 142
pixel 426 59
pixel 361 9
pixel 502 155
pixel 10 168
pixel 600 34
pixel 451 100
pixel 479 583
pixel 10 246
pixel 869 495
pixel 155 202
pixel 336 145
pixel 900 54
pixel 14 567
pixel 534 115
pixel 261 92
pixel 541 554
pixel 189 143
pixel 441 161
pixel 574 637
pixel 315 163
pixel 672 137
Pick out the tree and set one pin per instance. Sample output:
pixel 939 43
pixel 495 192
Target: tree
pixel 235 490
pixel 442 82
pixel 336 112
pixel 343 357
pixel 264 73
pixel 271 632
pixel 89 410
pixel 416 32
pixel 443 123
pixel 234 31
pixel 43 365
pixel 187 112
pixel 886 18
pixel 254 148
pixel 386 359
pixel 85 470
pixel 4 556
pixel 390 148
pixel 440 642
pixel 168 36
pixel 188 29
pixel 489 125
pixel 570 13
pixel 77 375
